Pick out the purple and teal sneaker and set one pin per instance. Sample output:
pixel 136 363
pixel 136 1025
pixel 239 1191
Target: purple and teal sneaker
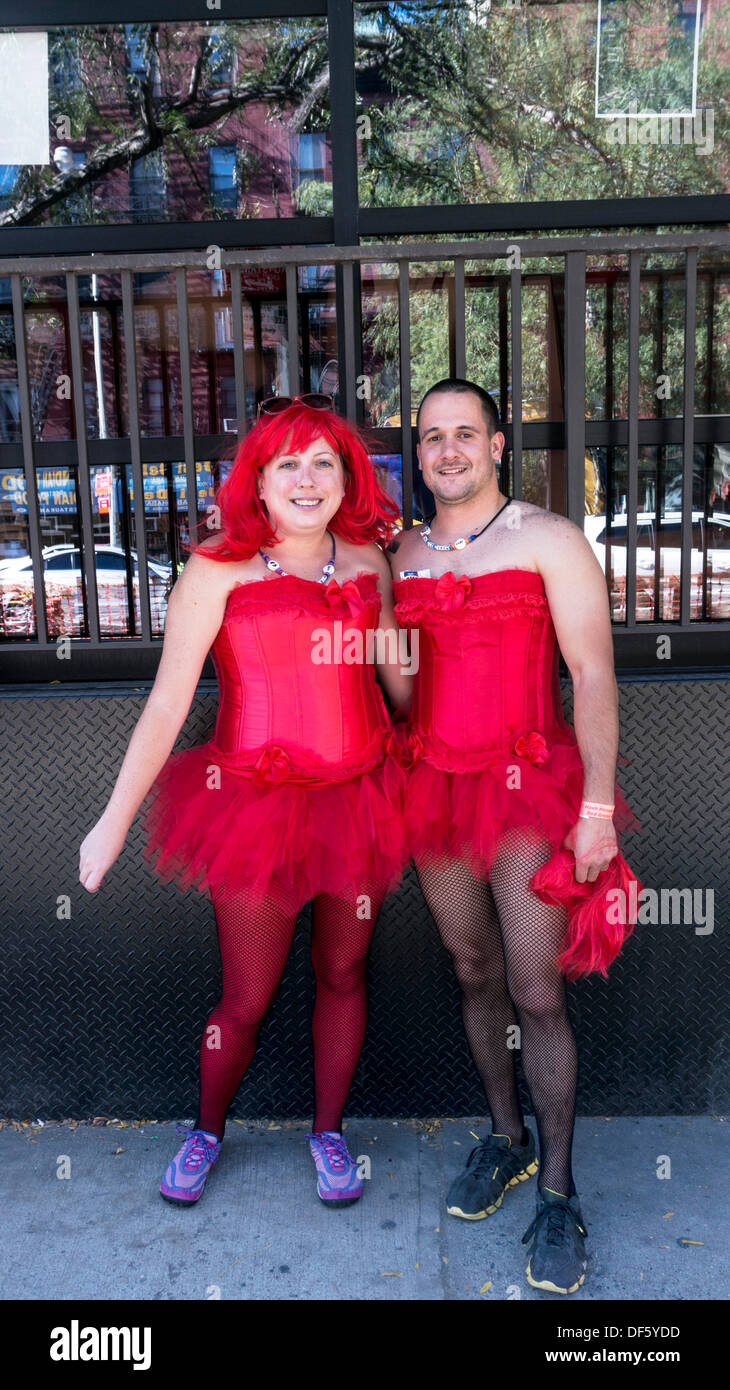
pixel 184 1178
pixel 337 1178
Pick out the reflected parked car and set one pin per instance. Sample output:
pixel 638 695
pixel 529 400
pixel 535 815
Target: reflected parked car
pixel 712 532
pixel 63 561
pixel 709 533
pixel 62 575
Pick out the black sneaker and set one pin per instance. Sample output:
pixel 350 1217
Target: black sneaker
pixel 558 1255
pixel 492 1166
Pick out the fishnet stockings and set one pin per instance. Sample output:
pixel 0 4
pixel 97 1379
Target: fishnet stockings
pixel 254 943
pixel 504 944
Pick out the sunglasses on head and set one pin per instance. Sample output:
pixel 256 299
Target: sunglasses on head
pixel 273 405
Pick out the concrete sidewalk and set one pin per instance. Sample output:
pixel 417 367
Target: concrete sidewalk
pixel 260 1232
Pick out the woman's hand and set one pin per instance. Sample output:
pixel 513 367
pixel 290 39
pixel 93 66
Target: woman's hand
pixel 100 849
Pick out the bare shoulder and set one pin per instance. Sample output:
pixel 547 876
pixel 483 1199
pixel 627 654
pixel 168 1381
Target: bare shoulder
pixel 556 542
pixel 207 571
pixel 366 558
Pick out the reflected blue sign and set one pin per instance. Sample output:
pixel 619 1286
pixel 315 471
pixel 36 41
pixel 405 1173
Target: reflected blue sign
pixel 57 489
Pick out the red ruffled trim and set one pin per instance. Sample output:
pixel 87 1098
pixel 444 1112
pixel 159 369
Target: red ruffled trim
pixel 278 840
pixel 465 815
pixel 288 591
pixel 465 599
pixel 410 611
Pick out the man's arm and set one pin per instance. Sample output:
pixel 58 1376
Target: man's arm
pixel 576 592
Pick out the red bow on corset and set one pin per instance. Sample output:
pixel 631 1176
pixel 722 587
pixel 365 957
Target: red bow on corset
pixel 271 767
pixel 532 747
pixel 415 747
pixel 391 747
pixel 334 593
pixel 451 592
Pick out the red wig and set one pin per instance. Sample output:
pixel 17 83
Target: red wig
pixel 366 513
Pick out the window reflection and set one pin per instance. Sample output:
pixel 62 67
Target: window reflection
pixel 181 122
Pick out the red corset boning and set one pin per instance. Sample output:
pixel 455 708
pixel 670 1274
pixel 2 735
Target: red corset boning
pixel 490 750
pixel 299 790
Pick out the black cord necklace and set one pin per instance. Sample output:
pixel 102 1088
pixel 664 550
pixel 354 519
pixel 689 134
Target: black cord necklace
pixel 462 541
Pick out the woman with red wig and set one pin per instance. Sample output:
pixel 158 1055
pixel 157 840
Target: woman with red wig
pixel 297 796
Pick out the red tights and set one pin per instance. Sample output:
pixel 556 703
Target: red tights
pixel 254 945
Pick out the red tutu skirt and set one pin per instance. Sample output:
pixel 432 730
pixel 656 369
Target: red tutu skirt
pixel 465 814
pixel 281 838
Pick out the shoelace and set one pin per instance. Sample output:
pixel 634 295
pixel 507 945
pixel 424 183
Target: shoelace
pixel 200 1150
pixel 490 1154
pixel 335 1152
pixel 555 1215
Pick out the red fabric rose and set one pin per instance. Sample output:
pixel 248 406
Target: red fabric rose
pixel 391 746
pixel 533 748
pixel 271 767
pixel 415 747
pixel 451 592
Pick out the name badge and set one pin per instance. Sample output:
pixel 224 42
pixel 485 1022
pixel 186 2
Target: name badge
pixel 415 574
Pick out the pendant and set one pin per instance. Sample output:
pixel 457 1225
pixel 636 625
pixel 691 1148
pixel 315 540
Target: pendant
pixel 460 543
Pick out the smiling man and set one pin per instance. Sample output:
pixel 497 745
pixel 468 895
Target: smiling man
pixel 500 786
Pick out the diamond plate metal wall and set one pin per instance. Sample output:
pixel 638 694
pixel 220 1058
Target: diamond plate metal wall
pixel 104 997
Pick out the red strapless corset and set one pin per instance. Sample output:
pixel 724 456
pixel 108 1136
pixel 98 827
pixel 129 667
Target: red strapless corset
pixel 487 666
pixel 290 699
pixel 308 793
pixel 487 706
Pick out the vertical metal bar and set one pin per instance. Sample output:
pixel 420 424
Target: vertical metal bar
pixel 575 384
pixel 459 318
pixel 709 351
pixel 82 454
pixel 503 358
pixel 710 280
pixel 292 329
pixel 515 286
pixel 348 308
pixel 345 203
pixel 632 442
pixel 210 354
pixel 164 365
pixel 186 385
pixel 659 479
pixel 239 372
pixel 609 455
pixel 688 433
pixel 305 368
pixel 130 357
pixel 258 349
pixel 447 283
pixel 116 354
pixel 31 490
pixel 404 337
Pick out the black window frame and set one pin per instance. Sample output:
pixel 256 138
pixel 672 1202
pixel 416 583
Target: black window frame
pixel 351 225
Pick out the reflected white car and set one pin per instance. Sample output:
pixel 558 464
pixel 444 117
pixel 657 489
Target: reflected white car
pixel 712 532
pixel 62 563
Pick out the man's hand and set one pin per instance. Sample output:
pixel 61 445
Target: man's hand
pixel 594 844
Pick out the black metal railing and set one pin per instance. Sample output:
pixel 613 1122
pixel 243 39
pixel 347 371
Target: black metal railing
pixel 703 643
